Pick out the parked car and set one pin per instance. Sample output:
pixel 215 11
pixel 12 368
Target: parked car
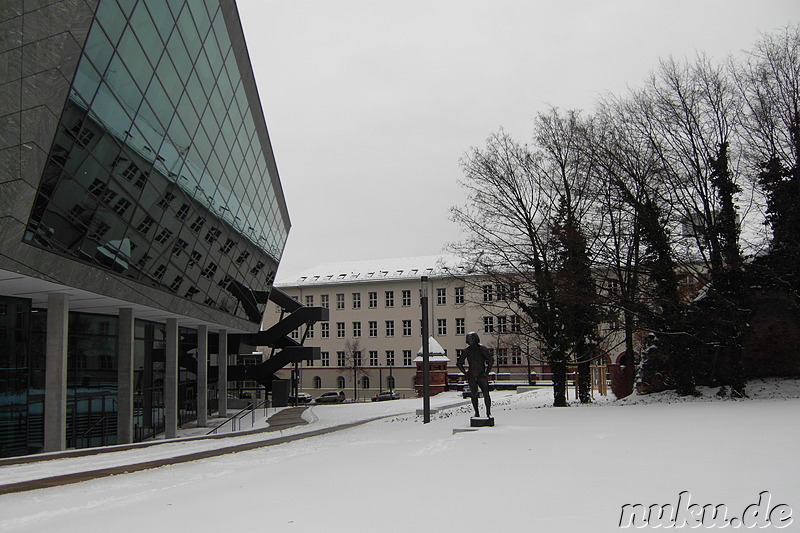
pixel 331 397
pixel 302 397
pixel 385 395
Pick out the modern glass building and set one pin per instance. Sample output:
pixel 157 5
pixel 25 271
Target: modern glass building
pixel 141 215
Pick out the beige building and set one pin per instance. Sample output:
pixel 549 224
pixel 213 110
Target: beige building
pixel 375 327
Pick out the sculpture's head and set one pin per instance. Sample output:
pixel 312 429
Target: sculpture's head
pixel 473 339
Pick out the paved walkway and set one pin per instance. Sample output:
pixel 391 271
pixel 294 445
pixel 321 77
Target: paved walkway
pixel 283 419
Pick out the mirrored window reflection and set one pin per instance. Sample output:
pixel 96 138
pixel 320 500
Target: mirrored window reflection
pixel 152 171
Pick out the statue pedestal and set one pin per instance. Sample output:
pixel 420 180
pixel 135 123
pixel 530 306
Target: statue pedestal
pixel 480 422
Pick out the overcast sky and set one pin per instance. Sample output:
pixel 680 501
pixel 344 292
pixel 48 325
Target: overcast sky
pixel 370 104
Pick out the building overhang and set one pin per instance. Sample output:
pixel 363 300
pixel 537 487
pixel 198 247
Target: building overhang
pixel 17 285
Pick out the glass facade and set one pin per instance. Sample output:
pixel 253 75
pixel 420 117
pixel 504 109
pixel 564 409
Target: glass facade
pixel 157 172
pixel 22 380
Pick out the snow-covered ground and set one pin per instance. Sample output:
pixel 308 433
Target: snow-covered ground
pixel 539 469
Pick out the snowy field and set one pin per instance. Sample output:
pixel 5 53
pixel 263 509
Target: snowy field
pixel 539 469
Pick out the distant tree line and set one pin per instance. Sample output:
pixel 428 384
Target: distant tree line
pixel 600 214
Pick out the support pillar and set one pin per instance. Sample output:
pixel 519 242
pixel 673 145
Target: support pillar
pixel 171 380
pixel 222 363
pixel 55 395
pixel 125 372
pixel 202 375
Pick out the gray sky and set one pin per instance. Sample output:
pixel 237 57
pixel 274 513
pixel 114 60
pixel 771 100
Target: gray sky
pixel 371 103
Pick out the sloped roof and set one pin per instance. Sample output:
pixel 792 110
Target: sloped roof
pixel 371 270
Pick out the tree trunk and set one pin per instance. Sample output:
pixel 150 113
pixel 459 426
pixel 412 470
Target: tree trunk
pixel 558 365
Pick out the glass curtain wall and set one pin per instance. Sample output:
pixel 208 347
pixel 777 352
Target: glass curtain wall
pixel 156 172
pixel 21 381
pixel 91 380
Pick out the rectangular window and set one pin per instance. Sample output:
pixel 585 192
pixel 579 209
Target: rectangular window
pixel 229 244
pixel 209 271
pixel 166 200
pixel 310 300
pixel 356 300
pixel 108 196
pixel 373 358
pixel 488 324
pixel 516 355
pixel 146 224
pixel 121 206
pixel 389 298
pixel 357 358
pixel 407 357
pixel 373 300
pixel 256 269
pixel 180 247
pixel 441 296
pixel 159 273
pixel 459 295
pixel 142 262
pixel 513 291
pixel 325 330
pixel 325 359
pixel 406 328
pixel 340 359
pixel 389 357
pixel 356 329
pixel 406 298
pixel 340 301
pixel 182 212
pixel 163 236
pixel 212 235
pixel 501 292
pixel 325 301
pixel 340 330
pixel 96 187
pixel 390 328
pixel 197 225
pixel 176 284
pixel 310 331
pixel 515 324
pixel 373 328
pixel 441 326
pixel 196 257
pixel 502 356
pixel 488 293
pixel 242 257
pixel 501 324
pixel 460 326
pixel 100 231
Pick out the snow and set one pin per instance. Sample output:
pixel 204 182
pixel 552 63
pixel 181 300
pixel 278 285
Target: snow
pixel 539 469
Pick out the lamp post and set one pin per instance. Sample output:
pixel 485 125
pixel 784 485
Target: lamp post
pixel 426 378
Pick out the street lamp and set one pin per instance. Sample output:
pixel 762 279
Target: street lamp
pixel 426 378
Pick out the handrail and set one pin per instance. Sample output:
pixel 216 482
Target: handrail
pixel 251 407
pixel 93 426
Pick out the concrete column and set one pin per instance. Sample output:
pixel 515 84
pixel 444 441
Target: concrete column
pixel 222 363
pixel 125 372
pixel 202 375
pixel 171 380
pixel 55 395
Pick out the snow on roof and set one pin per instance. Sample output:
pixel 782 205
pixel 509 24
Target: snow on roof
pixel 436 354
pixel 371 270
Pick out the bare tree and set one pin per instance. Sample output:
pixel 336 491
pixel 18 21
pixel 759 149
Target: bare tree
pixel 525 221
pixel 769 83
pixel 354 362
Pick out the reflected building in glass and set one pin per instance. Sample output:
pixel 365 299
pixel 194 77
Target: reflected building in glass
pixel 141 214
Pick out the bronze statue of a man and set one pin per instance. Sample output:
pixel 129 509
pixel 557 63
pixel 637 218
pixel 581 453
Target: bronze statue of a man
pixel 480 362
